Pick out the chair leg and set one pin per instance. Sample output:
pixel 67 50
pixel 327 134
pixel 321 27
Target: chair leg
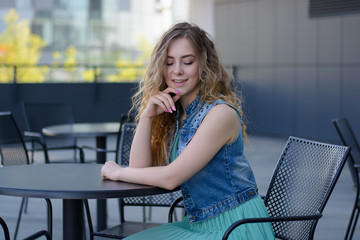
pixel 26 205
pixel 144 209
pixel 121 210
pixel 49 216
pixel 354 223
pixel 351 225
pixel 88 215
pixel 5 229
pixel 19 217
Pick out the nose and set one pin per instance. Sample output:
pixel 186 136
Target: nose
pixel 178 69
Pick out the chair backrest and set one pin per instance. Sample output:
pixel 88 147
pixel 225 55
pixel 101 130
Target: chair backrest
pixel 348 138
pixel 12 146
pixel 40 115
pixel 303 180
pixel 124 141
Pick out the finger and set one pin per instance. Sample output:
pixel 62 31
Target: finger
pixel 174 93
pixel 159 102
pixel 171 90
pixel 168 101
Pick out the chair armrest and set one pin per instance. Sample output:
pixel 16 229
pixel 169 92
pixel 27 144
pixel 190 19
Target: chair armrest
pixel 5 229
pixel 34 137
pixel 99 149
pixel 38 138
pixel 172 208
pixel 32 134
pixel 38 235
pixel 269 219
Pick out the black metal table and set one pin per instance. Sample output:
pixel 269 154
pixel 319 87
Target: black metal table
pixel 70 182
pixel 98 130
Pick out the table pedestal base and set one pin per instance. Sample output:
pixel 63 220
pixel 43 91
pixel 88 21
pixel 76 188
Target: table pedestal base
pixel 73 219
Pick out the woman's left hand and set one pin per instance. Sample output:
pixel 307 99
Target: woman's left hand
pixel 111 171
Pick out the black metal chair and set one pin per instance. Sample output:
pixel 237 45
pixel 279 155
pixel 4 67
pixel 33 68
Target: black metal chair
pixel 122 152
pixel 303 180
pixel 348 138
pixel 40 115
pixel 14 152
pixel 33 236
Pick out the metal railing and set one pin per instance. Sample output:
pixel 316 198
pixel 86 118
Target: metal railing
pixel 60 73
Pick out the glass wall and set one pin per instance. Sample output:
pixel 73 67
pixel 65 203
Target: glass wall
pixel 82 40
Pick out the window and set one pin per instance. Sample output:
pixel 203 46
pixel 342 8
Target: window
pixel 322 8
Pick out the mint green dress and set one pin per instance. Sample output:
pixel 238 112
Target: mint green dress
pixel 213 228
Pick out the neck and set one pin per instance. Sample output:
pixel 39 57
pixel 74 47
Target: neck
pixel 187 100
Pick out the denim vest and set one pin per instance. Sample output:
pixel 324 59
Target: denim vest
pixel 225 182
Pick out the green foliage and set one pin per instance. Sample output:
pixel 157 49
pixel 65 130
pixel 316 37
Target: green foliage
pixel 19 47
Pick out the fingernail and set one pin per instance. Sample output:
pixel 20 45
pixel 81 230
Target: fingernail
pixel 174 108
pixel 177 91
pixel 166 110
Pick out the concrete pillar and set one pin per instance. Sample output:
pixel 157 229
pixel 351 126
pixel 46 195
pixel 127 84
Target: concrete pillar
pixel 200 12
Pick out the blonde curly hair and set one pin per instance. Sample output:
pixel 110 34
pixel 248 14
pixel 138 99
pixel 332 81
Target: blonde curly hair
pixel 215 83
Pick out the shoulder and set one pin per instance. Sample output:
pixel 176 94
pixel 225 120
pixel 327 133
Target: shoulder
pixel 223 114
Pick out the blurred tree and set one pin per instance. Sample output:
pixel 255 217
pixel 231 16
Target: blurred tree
pixel 19 47
pixel 69 67
pixel 131 71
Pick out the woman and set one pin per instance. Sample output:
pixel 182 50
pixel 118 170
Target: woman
pixel 190 134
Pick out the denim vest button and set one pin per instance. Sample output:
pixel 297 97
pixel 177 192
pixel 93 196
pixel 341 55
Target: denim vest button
pixel 186 195
pixel 193 218
pixel 251 194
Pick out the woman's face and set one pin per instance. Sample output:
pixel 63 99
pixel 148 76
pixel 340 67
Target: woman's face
pixel 182 70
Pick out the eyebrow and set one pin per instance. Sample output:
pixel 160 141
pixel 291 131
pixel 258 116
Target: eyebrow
pixel 185 56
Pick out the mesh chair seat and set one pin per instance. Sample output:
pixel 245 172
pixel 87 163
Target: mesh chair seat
pixel 301 185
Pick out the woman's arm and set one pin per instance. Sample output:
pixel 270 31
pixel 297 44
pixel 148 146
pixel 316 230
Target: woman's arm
pixel 219 127
pixel 140 154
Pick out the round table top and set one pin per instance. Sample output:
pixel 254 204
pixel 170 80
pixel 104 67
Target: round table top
pixel 67 181
pixel 82 129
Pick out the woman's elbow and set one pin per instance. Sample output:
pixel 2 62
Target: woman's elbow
pixel 170 183
pixel 170 187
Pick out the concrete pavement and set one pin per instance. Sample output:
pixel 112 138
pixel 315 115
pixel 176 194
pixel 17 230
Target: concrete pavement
pixel 262 155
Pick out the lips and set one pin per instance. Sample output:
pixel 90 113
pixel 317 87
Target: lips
pixel 179 80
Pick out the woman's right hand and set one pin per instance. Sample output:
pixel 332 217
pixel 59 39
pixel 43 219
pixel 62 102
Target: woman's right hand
pixel 162 102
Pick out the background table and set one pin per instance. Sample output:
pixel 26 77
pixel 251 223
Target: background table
pixel 98 130
pixel 70 182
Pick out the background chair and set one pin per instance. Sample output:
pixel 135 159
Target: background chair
pixel 301 185
pixel 33 236
pixel 13 152
pixel 122 154
pixel 348 138
pixel 40 115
